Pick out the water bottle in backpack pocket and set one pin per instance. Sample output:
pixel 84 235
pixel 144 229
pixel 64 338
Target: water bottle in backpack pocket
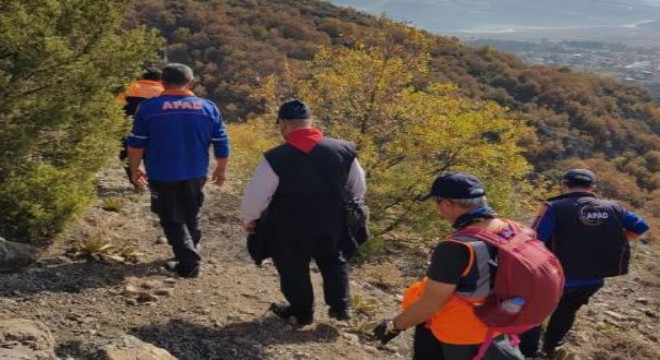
pixel 529 281
pixel 512 306
pixel 501 311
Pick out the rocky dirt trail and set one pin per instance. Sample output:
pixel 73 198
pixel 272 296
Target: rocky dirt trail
pixel 622 321
pixel 222 314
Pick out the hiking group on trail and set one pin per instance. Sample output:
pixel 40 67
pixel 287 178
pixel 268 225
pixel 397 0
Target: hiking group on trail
pixel 489 285
pixel 173 133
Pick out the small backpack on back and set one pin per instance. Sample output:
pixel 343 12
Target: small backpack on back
pixel 525 269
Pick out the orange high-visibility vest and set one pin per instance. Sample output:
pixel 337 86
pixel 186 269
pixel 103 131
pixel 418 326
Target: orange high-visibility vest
pixel 142 89
pixel 455 323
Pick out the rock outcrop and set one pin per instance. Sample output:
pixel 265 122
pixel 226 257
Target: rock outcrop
pixel 22 339
pixel 14 256
pixel 127 347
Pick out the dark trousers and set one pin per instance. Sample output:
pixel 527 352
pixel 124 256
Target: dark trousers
pixel 560 323
pixel 427 347
pixel 184 239
pixel 178 205
pixel 296 284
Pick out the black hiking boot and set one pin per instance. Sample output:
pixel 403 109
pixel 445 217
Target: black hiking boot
pixel 284 312
pixel 339 315
pixel 185 272
pixel 558 354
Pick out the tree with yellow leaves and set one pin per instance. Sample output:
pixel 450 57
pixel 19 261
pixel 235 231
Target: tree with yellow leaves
pixel 407 130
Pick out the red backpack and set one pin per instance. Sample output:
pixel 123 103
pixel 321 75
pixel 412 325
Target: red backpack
pixel 526 269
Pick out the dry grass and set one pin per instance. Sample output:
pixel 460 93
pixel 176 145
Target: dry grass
pixel 385 275
pixel 114 204
pixel 365 316
pixel 93 248
pixel 617 346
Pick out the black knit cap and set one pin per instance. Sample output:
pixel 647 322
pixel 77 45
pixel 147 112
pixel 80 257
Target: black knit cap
pixel 152 73
pixel 293 109
pixel 455 185
pixel 579 177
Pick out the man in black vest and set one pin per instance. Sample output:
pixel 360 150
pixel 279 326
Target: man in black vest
pixel 297 182
pixel 590 237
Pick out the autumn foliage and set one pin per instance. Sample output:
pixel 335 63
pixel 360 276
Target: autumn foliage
pixel 414 102
pixel 235 46
pixel 405 134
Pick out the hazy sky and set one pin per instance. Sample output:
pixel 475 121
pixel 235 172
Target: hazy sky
pixel 505 15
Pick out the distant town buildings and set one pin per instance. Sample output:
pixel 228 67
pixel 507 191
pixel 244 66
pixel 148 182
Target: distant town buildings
pixel 635 65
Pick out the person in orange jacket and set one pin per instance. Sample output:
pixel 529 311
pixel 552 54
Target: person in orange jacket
pixel 146 87
pixel 440 306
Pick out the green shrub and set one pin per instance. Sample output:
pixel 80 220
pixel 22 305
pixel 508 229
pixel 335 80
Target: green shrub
pixel 60 62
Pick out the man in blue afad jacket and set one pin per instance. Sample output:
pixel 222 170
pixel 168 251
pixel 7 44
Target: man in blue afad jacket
pixel 590 237
pixel 174 131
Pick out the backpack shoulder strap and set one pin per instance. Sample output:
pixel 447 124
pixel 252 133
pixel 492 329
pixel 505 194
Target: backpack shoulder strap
pixel 470 252
pixel 479 234
pixel 493 238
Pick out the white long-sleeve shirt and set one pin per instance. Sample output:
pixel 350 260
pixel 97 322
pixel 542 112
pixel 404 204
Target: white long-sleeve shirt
pixel 263 185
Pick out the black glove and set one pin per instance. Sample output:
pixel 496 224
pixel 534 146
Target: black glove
pixel 384 333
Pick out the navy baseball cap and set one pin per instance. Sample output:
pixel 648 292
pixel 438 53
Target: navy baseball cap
pixel 579 177
pixel 293 109
pixel 455 185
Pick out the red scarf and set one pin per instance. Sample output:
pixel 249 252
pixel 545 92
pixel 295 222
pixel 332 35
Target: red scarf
pixel 304 139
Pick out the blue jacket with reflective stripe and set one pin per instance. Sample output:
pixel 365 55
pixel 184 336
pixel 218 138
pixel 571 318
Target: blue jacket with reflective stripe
pixel 176 130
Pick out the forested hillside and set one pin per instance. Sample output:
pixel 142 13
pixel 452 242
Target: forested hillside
pixel 415 105
pixel 579 119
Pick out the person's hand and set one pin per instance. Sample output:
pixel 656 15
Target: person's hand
pixel 218 176
pixel 250 227
pixel 385 332
pixel 139 178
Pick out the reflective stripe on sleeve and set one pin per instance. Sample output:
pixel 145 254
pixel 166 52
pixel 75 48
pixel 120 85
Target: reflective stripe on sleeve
pixel 138 137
